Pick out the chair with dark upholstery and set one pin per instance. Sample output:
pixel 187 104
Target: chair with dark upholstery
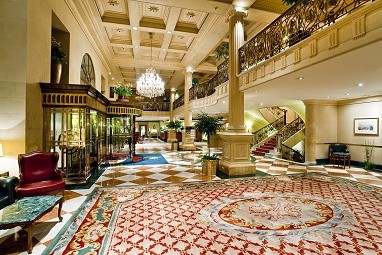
pixel 8 190
pixel 338 153
pixel 39 174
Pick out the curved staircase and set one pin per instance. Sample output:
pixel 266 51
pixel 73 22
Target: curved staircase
pixel 266 147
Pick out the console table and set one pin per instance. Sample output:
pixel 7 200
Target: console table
pixel 26 211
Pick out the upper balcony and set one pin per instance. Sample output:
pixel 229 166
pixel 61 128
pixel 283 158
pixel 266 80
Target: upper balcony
pixel 331 42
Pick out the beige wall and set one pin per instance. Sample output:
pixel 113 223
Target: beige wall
pixel 13 65
pixel 25 28
pixel 362 108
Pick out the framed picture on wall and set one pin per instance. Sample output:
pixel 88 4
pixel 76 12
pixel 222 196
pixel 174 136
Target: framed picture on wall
pixel 366 126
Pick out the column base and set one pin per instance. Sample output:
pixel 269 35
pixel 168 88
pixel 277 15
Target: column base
pixel 236 154
pixel 237 169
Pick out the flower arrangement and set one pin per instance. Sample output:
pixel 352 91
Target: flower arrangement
pixel 57 54
pixel 123 90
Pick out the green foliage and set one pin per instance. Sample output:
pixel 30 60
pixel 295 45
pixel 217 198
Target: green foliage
pixel 195 81
pixel 369 146
pixel 176 125
pixel 57 54
pixel 123 90
pixel 208 126
pixel 210 157
pixel 289 2
pixel 222 51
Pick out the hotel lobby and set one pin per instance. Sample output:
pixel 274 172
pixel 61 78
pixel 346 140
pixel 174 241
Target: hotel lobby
pixel 321 81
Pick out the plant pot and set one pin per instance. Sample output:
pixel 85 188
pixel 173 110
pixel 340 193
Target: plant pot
pixel 123 98
pixel 55 72
pixel 209 167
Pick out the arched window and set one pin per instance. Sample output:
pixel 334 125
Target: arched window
pixel 87 71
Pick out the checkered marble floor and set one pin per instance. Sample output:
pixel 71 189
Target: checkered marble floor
pixel 183 167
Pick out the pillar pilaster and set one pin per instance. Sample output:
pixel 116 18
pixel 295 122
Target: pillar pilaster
pixel 236 141
pixel 310 131
pixel 187 140
pixel 172 133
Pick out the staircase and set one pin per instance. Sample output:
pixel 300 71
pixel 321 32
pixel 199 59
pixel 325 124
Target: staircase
pixel 266 147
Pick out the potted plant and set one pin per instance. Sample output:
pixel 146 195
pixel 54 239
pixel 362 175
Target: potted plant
pixel 368 165
pixel 208 125
pixel 123 91
pixel 176 125
pixel 57 58
pixel 222 51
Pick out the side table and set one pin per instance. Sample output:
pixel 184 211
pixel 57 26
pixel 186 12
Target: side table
pixel 26 211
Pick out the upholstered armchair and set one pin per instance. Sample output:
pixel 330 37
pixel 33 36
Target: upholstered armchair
pixel 39 174
pixel 8 190
pixel 338 153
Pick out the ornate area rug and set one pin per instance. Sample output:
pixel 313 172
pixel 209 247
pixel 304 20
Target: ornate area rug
pixel 290 214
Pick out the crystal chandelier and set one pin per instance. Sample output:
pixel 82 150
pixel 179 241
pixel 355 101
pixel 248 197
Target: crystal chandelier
pixel 150 84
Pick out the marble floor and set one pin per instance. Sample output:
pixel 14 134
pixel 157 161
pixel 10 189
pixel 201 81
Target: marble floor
pixel 183 167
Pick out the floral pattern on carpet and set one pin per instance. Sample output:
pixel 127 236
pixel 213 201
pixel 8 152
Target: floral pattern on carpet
pixel 291 214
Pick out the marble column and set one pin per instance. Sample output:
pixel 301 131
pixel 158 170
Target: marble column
pixel 236 141
pixel 187 140
pixel 310 131
pixel 172 133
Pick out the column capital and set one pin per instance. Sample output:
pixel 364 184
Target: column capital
pixel 236 10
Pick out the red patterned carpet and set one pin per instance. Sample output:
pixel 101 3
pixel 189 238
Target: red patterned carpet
pixel 288 214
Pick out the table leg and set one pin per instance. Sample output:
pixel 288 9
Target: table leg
pixel 59 208
pixel 30 236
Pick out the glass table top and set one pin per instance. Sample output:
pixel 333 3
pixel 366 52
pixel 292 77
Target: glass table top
pixel 27 209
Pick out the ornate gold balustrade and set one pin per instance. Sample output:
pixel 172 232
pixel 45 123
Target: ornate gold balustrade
pixel 297 23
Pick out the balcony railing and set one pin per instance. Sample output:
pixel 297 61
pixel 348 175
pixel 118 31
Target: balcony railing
pixel 155 106
pixel 178 102
pixel 297 23
pixel 208 88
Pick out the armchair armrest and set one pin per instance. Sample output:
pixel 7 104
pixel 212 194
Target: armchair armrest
pixel 58 174
pixel 8 187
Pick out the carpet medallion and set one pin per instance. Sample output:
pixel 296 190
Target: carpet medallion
pixel 290 214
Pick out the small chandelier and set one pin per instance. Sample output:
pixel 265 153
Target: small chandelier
pixel 150 84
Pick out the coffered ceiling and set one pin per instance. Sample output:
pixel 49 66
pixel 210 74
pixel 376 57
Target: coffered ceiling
pixel 185 34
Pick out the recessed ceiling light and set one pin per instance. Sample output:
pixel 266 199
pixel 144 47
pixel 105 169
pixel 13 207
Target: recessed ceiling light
pixel 223 102
pixel 327 97
pixel 360 84
pixel 135 28
pixel 168 32
pixel 300 78
pixel 256 91
pixel 112 78
pixel 347 94
pixel 163 49
pixel 261 103
pixel 136 47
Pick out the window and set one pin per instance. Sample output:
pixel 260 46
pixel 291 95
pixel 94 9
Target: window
pixel 87 71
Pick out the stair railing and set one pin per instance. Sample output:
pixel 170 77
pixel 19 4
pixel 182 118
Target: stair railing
pixel 291 154
pixel 267 131
pixel 291 129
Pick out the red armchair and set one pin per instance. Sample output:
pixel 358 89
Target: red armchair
pixel 39 174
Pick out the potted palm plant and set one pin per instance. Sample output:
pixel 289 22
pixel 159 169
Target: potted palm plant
pixel 175 126
pixel 208 125
pixel 123 91
pixel 58 57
